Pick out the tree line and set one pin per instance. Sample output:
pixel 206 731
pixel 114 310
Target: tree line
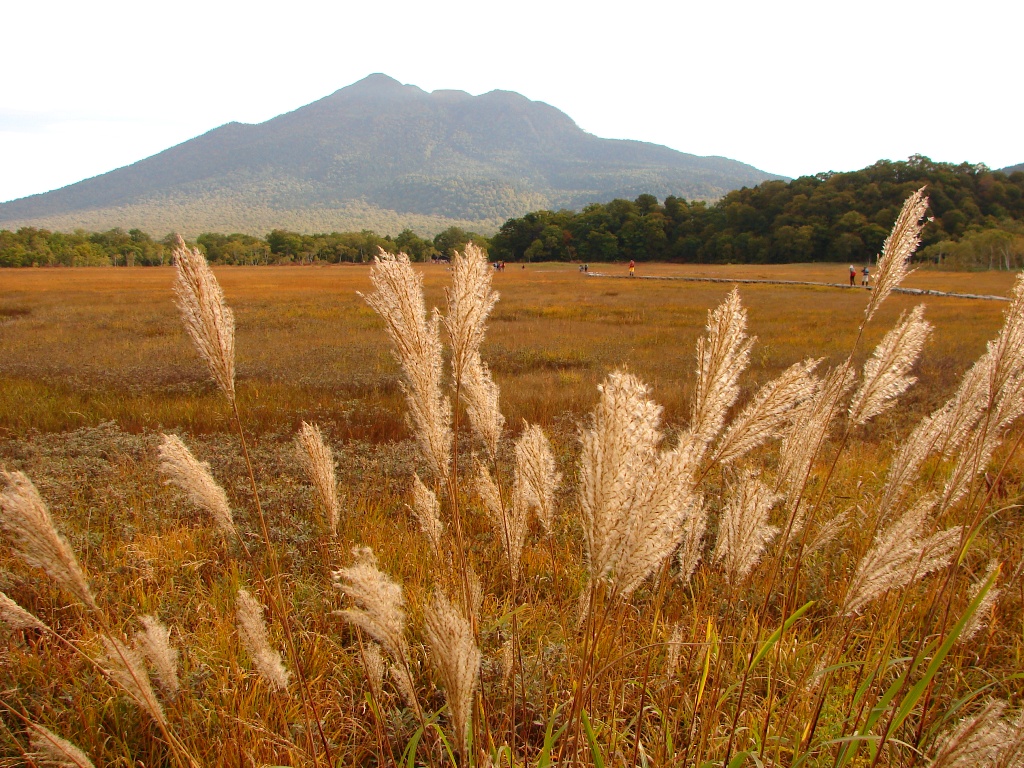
pixel 976 220
pixel 828 217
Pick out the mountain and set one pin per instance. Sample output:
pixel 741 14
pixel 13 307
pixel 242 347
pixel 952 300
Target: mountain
pixel 382 155
pixel 1012 169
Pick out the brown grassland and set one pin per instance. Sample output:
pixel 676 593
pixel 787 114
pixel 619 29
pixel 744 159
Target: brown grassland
pixel 94 366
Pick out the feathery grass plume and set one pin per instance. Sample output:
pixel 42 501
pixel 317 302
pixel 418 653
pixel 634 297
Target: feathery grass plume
pixel 885 374
pixel 925 438
pixel 182 469
pixel 537 476
pixel 427 510
pixel 380 610
pixel 457 659
pixel 403 682
pixel 976 741
pixel 827 532
pixel 34 538
pixel 1007 350
pixel 398 299
pixel 317 461
pixel 508 520
pixel 801 442
pixel 126 667
pixel 981 615
pixel 722 356
pixel 899 556
pixel 476 591
pixel 899 246
pixel 692 541
pixel 744 532
pixel 480 394
pixel 16 617
pixel 1012 753
pixel 208 319
pixel 672 648
pixel 155 644
pixel 375 668
pixel 972 459
pixel 623 441
pixel 49 749
pixel 470 301
pixel 252 631
pixel 635 499
pixel 770 409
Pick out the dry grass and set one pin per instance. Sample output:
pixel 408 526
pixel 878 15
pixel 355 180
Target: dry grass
pixel 94 366
pixel 92 345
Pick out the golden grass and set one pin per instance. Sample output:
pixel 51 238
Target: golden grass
pixel 93 363
pixel 83 346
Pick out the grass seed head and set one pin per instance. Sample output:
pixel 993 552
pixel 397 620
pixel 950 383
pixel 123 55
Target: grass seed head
pixel 16 617
pixel 743 532
pixel 380 604
pixel 155 644
pixel 49 749
pixel 457 658
pixel 415 336
pixel 182 469
pixel 899 246
pixel 208 319
pixel 33 536
pixel 885 373
pixel 317 461
pixel 537 476
pixel 252 631
pixel 125 665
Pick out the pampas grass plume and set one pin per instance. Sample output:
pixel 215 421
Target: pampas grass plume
pixel 427 510
pixel 457 658
pixel 744 532
pixel 252 631
pixel 380 610
pixel 182 469
pixel 317 461
pixel 885 374
pixel 899 246
pixel 49 749
pixel 125 665
pixel 208 319
pixel 537 476
pixel 900 556
pixel 155 643
pixel 33 536
pixel 16 617
pixel 398 299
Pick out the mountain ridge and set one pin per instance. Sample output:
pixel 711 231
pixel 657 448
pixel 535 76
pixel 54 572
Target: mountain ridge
pixel 381 146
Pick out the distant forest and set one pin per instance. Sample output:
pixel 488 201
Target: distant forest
pixel 976 221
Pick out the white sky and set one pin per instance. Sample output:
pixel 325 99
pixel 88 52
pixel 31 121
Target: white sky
pixel 791 86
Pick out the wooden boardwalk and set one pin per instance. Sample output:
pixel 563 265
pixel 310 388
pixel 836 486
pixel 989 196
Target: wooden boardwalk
pixel 844 286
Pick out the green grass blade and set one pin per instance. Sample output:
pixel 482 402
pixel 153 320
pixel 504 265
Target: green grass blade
pixel 917 691
pixel 595 750
pixel 409 754
pixel 777 634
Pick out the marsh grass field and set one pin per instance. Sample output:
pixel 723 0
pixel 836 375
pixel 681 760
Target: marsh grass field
pixel 95 366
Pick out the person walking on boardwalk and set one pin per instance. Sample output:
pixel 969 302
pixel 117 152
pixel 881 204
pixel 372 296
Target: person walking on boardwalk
pixel 866 279
pixel 853 276
pixel 632 268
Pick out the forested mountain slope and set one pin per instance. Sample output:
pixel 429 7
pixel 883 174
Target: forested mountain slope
pixel 827 217
pixel 382 155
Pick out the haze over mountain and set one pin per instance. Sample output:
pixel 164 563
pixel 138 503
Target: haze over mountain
pixel 1012 168
pixel 382 155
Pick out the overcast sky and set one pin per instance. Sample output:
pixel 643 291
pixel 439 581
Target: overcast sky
pixel 790 87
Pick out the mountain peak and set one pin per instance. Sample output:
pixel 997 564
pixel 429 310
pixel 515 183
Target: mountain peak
pixel 378 143
pixel 377 81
